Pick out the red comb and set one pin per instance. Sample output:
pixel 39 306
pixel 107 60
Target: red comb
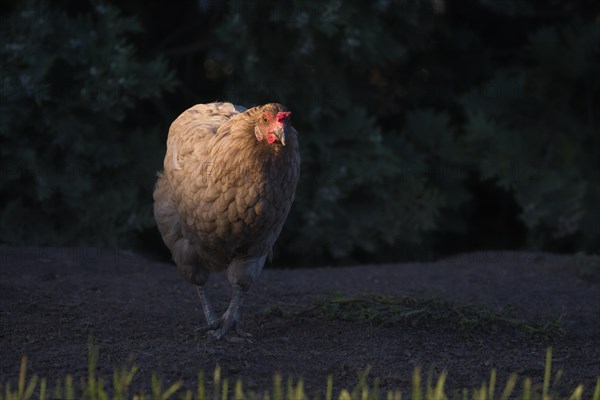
pixel 283 115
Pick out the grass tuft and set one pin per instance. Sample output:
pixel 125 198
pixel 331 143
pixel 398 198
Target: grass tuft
pixel 381 310
pixel 421 389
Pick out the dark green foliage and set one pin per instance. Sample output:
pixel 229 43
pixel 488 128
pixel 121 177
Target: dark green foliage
pixel 362 184
pixel 426 127
pixel 401 104
pixel 535 131
pixel 77 165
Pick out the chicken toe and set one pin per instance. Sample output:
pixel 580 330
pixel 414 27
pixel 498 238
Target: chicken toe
pixel 231 318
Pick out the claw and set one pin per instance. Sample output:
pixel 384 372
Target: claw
pixel 217 328
pixel 226 327
pixel 210 326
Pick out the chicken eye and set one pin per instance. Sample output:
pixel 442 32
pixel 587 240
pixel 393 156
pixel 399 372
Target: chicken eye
pixel 264 119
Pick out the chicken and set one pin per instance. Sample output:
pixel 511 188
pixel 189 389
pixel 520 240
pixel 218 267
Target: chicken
pixel 228 184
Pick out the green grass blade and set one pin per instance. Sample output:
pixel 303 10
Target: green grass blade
pixel 277 387
pixel 597 390
pixel 290 389
pixel 43 389
pixel 416 384
pixel 238 392
pixel 7 392
pixel 30 388
pixel 547 374
pixel 429 384
pixel 492 386
pixel 201 390
pixel 527 389
pixel 299 390
pixel 58 392
pixel 170 391
pixel 101 392
pixel 122 379
pixel 217 383
pixel 188 395
pixel 22 372
pixel 465 394
pixel 69 388
pixel 225 389
pixel 439 387
pixel 510 386
pixel 93 352
pixel 155 387
pixel 577 393
pixel 394 395
pixel 481 393
pixel 329 390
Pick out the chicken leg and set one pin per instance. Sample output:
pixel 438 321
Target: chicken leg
pixel 231 318
pixel 209 314
pixel 218 327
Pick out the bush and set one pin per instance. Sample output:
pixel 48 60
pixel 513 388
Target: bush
pixel 426 126
pixel 406 110
pixel 533 130
pixel 78 150
pixel 363 186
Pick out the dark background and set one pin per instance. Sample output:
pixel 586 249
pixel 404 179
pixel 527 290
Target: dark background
pixel 427 128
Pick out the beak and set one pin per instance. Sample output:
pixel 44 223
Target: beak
pixel 280 134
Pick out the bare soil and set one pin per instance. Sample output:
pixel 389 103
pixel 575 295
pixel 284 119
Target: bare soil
pixel 142 312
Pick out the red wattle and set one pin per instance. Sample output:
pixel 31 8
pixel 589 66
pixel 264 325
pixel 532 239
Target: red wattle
pixel 271 138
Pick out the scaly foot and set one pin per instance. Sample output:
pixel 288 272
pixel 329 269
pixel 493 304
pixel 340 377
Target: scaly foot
pixel 230 320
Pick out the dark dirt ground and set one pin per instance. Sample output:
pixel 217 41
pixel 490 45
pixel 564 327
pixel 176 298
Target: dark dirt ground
pixel 142 312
